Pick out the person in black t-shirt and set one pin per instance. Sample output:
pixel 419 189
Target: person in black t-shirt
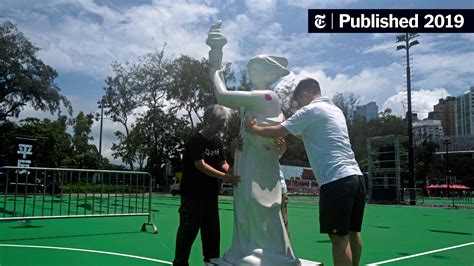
pixel 203 164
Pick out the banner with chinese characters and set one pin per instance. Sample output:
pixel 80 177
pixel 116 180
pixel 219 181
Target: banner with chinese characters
pixel 25 153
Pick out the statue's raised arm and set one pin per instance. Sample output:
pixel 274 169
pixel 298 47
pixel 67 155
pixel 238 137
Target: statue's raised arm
pixel 232 99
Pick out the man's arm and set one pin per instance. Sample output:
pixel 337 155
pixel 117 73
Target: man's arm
pixel 266 132
pixel 202 166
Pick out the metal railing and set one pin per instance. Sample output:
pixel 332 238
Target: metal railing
pixel 440 197
pixel 52 193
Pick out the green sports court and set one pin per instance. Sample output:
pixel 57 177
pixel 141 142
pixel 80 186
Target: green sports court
pixel 392 234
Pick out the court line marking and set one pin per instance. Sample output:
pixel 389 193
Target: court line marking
pixel 88 250
pixel 420 254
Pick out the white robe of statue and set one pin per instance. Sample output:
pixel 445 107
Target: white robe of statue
pixel 259 236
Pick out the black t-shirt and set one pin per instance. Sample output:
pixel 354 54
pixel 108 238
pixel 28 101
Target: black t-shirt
pixel 196 184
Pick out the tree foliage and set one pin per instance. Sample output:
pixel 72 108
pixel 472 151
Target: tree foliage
pixel 165 139
pixel 54 146
pixel 51 148
pixel 191 89
pixel 360 130
pixel 347 105
pixel 24 78
pixel 120 101
pixel 84 155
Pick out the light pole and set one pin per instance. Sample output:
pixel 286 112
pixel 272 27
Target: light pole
pixel 406 38
pixel 101 104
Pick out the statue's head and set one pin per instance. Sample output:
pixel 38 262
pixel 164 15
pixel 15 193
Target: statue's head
pixel 264 70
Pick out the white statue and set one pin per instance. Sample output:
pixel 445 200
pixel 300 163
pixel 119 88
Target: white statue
pixel 259 236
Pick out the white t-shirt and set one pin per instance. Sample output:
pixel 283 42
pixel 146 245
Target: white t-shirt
pixel 284 190
pixel 322 126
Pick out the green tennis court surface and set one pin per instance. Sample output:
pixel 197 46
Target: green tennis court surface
pixel 393 235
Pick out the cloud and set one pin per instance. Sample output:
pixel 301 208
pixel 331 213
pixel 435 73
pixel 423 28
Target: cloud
pixel 438 61
pixel 261 7
pixel 422 102
pixel 370 84
pixel 447 69
pixel 306 4
pixel 385 43
pixel 87 37
pixel 384 85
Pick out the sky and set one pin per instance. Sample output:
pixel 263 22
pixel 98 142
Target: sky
pixel 82 38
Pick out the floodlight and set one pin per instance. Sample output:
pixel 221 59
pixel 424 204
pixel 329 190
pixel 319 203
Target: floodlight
pixel 400 38
pixel 399 47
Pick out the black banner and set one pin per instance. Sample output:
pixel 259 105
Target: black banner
pixel 390 20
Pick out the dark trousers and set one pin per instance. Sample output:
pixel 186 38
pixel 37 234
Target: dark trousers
pixel 195 215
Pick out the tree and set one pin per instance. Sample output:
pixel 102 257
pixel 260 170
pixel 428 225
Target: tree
pixel 163 136
pixel 191 88
pixel 245 82
pixel 347 106
pixel 231 129
pixel 141 84
pixel 52 147
pixel 127 146
pixel 25 79
pixel 85 155
pixel 425 160
pixel 151 79
pixel 360 130
pixel 288 105
pixel 120 100
pixel 295 152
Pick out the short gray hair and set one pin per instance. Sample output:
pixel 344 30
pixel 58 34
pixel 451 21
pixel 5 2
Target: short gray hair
pixel 213 113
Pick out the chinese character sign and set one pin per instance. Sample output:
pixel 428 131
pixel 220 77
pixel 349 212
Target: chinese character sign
pixel 25 153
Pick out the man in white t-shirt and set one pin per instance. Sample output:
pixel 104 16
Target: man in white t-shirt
pixel 323 129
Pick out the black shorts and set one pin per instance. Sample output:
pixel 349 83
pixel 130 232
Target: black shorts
pixel 341 205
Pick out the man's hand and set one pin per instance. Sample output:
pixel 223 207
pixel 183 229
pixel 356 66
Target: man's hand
pixel 231 178
pixel 280 145
pixel 250 126
pixel 237 144
pixel 265 131
pixel 279 142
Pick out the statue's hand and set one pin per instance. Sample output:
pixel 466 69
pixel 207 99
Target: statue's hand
pixel 215 38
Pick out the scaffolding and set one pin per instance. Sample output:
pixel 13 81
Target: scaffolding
pixel 388 167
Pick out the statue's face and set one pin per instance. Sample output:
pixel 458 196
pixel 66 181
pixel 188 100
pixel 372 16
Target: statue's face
pixel 262 77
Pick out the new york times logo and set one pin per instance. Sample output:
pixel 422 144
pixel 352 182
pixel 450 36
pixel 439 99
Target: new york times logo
pixel 390 20
pixel 319 21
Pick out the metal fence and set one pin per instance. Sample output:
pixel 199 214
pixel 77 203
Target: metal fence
pixel 52 193
pixel 442 198
pixel 423 197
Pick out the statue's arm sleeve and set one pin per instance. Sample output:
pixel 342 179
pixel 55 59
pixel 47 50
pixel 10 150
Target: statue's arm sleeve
pixel 231 99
